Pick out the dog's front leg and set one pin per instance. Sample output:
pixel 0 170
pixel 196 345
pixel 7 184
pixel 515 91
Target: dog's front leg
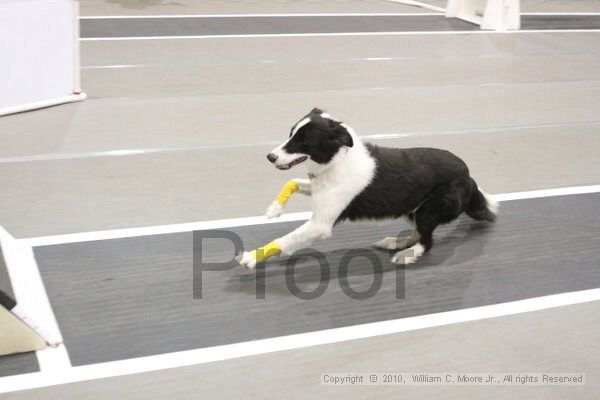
pixel 297 239
pixel 295 185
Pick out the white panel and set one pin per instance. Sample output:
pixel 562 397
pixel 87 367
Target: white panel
pixel 38 52
pixel 469 10
pixel 498 15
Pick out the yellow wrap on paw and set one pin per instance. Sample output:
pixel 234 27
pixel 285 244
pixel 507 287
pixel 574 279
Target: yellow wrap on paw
pixel 287 191
pixel 266 251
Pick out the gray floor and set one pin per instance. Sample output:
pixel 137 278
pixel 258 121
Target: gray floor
pixel 159 7
pixel 492 100
pixel 521 109
pixel 472 264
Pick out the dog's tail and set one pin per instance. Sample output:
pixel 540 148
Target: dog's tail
pixel 481 205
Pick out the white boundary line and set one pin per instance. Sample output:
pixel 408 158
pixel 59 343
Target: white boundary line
pixel 166 16
pixel 584 13
pixel 375 136
pixel 258 220
pixel 32 301
pixel 258 15
pixel 161 229
pixel 329 336
pixel 286 35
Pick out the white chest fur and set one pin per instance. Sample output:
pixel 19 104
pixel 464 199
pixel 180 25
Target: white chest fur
pixel 337 183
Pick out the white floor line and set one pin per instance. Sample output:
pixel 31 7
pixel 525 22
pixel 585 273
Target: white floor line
pixel 378 136
pixel 583 13
pixel 258 220
pixel 536 194
pixel 53 359
pixel 32 299
pixel 159 16
pixel 329 336
pixel 161 229
pixel 276 35
pixel 128 152
pixel 312 61
pixel 257 15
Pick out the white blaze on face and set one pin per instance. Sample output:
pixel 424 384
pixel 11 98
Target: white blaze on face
pixel 299 125
pixel 283 157
pixel 327 116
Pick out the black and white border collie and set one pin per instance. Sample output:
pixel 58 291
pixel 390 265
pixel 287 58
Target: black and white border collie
pixel 352 180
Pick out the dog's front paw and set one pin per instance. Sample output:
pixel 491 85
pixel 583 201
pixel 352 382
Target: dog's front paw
pixel 274 210
pixel 246 260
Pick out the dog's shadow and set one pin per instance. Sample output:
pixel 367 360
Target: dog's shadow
pixel 466 241
pixel 466 237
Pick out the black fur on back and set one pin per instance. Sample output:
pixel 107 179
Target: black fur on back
pixel 406 178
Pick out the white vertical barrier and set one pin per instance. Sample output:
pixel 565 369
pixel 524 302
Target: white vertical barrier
pixel 499 15
pixel 39 54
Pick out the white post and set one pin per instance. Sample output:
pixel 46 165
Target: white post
pixel 452 8
pixel 502 15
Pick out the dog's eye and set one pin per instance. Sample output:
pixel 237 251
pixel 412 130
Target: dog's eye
pixel 299 138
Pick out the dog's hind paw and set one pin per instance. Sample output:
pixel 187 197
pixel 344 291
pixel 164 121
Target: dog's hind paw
pixel 246 260
pixel 408 256
pixel 397 243
pixel 387 243
pixel 274 210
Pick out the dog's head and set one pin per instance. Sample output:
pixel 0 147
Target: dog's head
pixel 317 137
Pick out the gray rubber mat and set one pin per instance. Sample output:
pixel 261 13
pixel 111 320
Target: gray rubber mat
pixel 124 298
pixel 148 27
pixel 132 27
pixel 18 364
pixel 560 22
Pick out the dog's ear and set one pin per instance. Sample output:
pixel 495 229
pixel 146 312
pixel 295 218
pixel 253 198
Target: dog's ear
pixel 346 138
pixel 341 133
pixel 316 110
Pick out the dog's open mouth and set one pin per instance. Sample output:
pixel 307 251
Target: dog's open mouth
pixel 290 165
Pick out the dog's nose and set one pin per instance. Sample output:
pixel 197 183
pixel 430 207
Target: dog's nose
pixel 271 157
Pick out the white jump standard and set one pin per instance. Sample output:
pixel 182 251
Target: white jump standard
pixel 352 180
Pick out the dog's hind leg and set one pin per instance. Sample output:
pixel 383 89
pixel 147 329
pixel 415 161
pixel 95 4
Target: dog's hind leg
pixel 442 206
pixel 400 242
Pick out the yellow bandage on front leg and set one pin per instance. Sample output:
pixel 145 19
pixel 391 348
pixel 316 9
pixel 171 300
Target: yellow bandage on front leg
pixel 266 251
pixel 287 191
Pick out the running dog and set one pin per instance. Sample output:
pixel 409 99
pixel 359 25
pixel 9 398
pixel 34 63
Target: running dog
pixel 352 180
